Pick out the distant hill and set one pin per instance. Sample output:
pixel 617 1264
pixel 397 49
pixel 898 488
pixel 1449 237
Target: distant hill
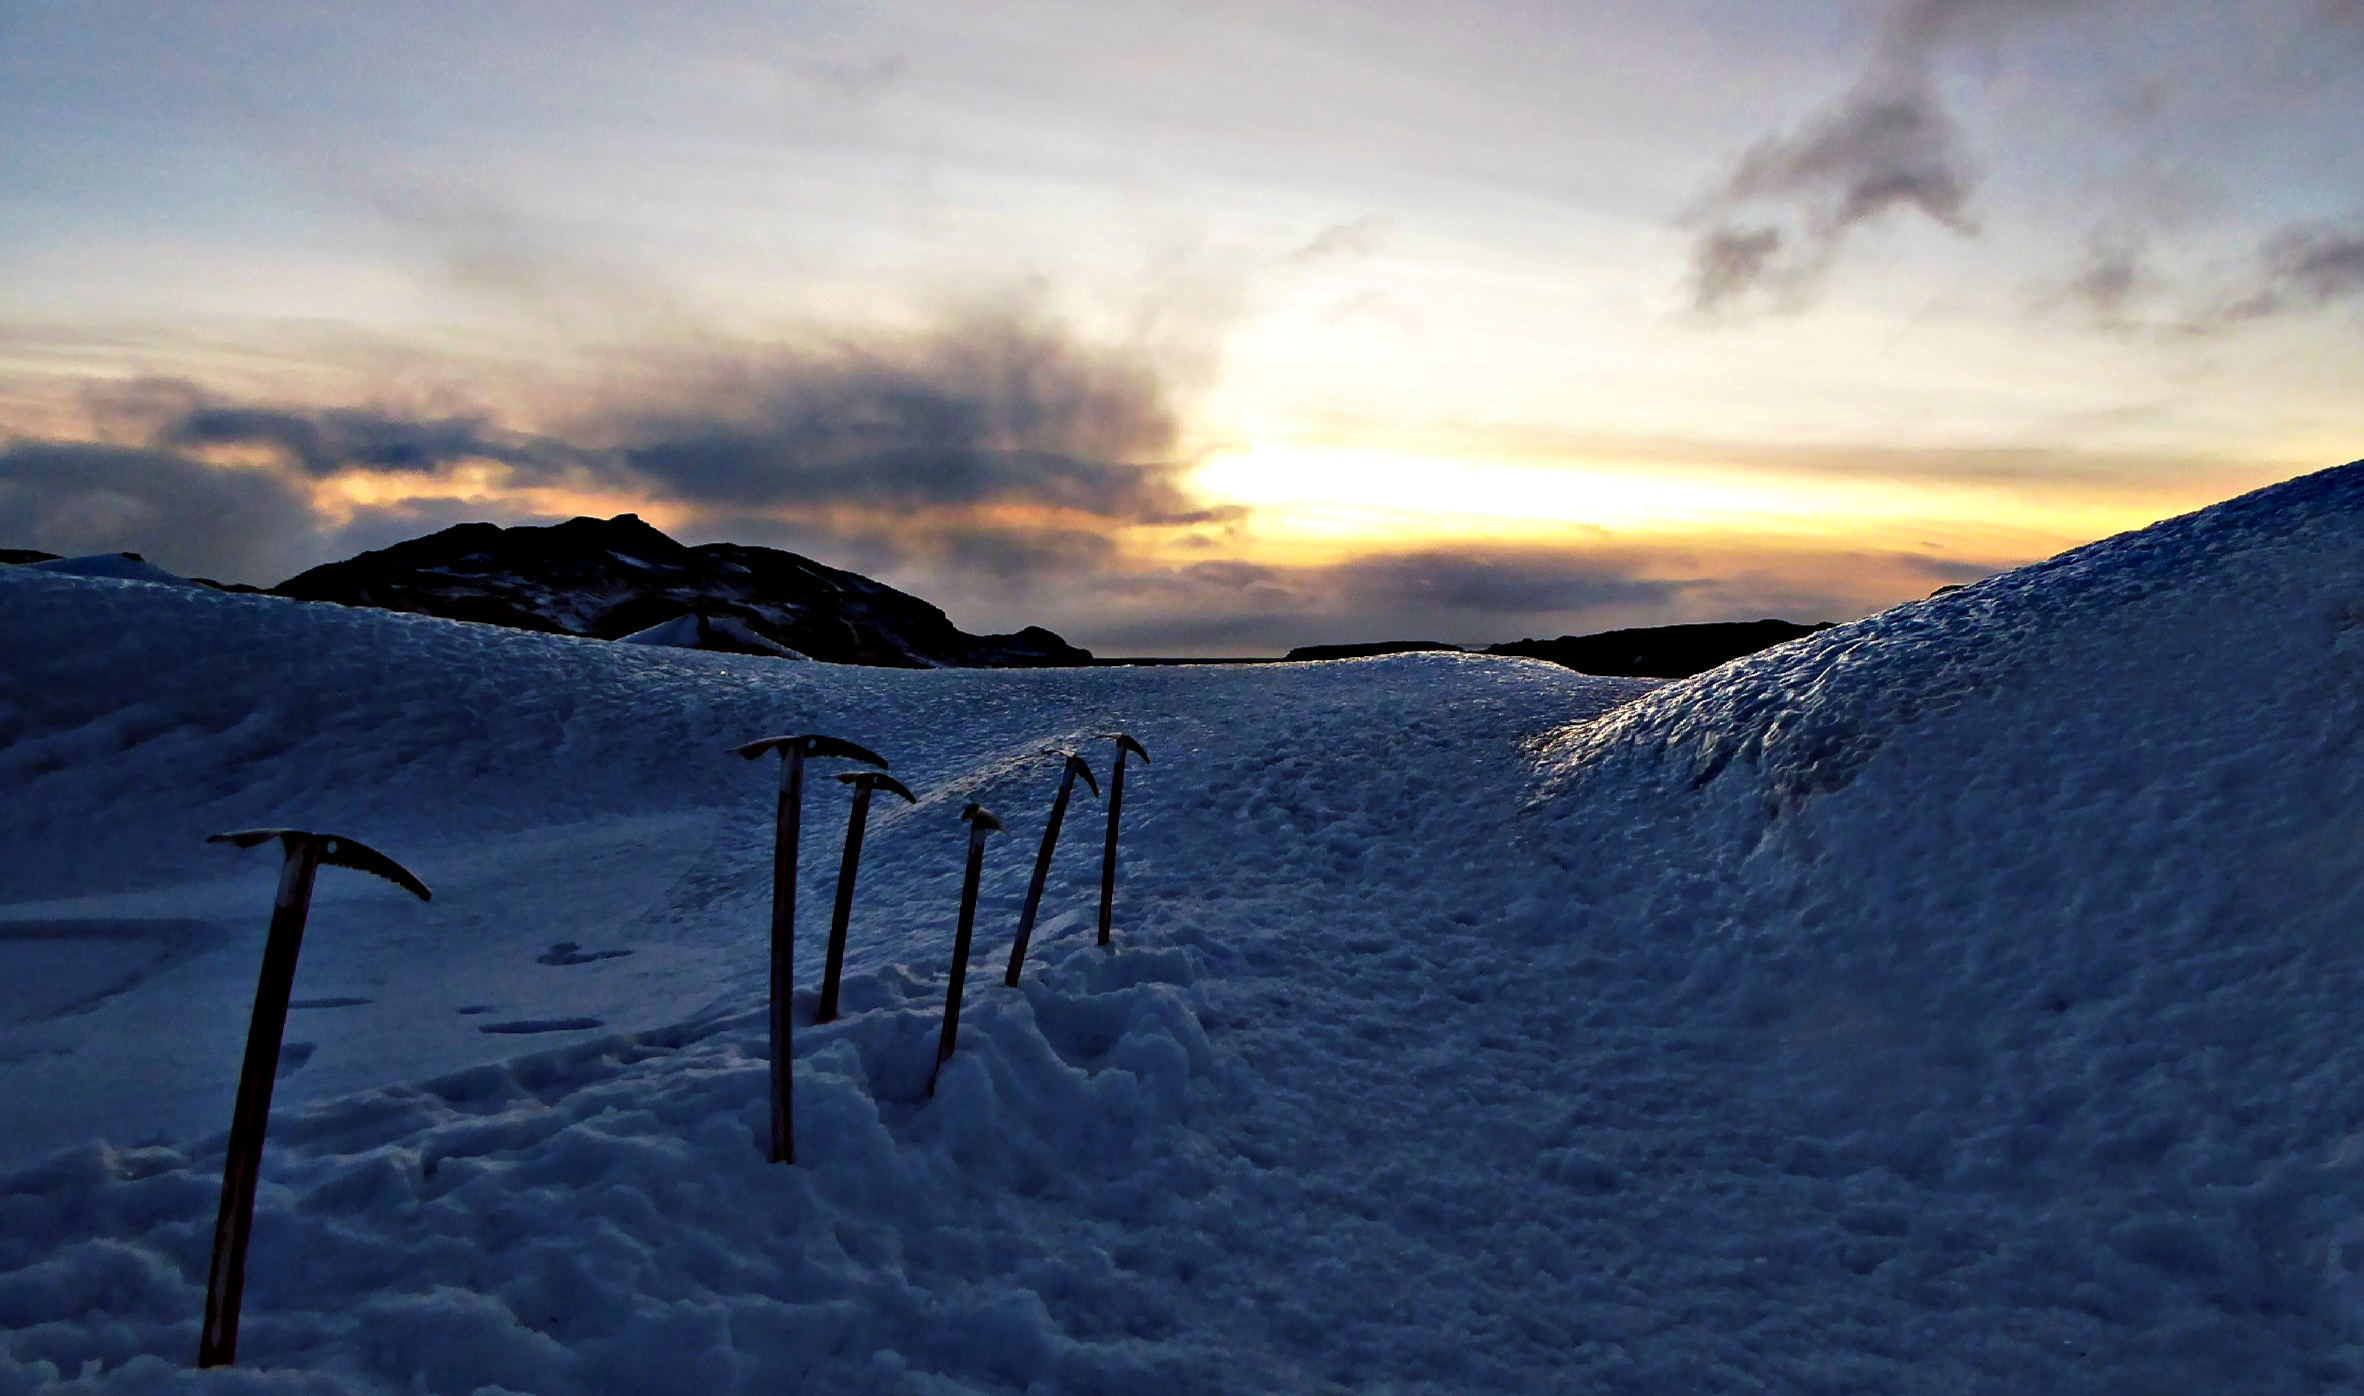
pixel 1660 651
pixel 609 579
pixel 1649 652
pixel 1367 650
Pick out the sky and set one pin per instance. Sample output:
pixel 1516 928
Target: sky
pixel 1208 328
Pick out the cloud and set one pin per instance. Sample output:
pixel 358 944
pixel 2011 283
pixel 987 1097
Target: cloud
pixel 2303 268
pixel 1781 217
pixel 326 443
pixel 1450 585
pixel 995 411
pixel 78 497
pixel 1348 241
pixel 2112 279
pixel 1469 595
pixel 999 447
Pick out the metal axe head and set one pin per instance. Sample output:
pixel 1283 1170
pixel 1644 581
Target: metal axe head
pixel 333 849
pixel 1125 742
pixel 812 744
pixel 879 780
pixel 980 817
pixel 1076 764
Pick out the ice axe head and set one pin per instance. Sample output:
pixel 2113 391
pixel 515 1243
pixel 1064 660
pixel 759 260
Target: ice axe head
pixel 333 849
pixel 980 818
pixel 1125 742
pixel 868 780
pixel 812 745
pixel 1075 766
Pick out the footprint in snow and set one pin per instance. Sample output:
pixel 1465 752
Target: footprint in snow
pixel 567 952
pixel 293 1055
pixel 341 1002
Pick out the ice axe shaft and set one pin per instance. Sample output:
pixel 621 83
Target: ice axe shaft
pixel 863 782
pixel 981 823
pixel 786 831
pixel 1116 805
pixel 1042 862
pixel 217 1344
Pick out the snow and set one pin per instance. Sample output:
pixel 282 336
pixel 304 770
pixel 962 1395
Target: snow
pixel 686 632
pixel 1957 1001
pixel 124 567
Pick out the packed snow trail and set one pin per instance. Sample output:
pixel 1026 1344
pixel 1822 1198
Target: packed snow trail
pixel 1959 1001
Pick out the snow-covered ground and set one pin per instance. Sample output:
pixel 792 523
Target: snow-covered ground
pixel 1959 1001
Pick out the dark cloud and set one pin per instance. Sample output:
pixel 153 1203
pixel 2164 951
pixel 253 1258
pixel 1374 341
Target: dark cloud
pixel 2113 278
pixel 173 414
pixel 1445 585
pixel 1782 216
pixel 2293 271
pixel 1950 571
pixel 1000 448
pixel 1730 262
pixel 1468 596
pixel 1233 575
pixel 1020 556
pixel 2304 268
pixel 76 497
pixel 996 412
pixel 325 443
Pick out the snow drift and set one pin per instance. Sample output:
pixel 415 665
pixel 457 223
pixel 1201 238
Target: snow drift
pixel 1955 1002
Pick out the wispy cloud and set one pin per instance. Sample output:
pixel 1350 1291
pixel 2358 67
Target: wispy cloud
pixel 2303 268
pixel 1779 220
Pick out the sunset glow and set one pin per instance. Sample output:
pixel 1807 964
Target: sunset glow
pixel 1213 330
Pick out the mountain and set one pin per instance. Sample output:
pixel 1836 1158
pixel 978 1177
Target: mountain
pixel 1660 651
pixel 608 579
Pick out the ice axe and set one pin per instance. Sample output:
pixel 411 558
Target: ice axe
pixel 306 851
pixel 863 782
pixel 1042 861
pixel 1116 805
pixel 793 751
pixel 981 823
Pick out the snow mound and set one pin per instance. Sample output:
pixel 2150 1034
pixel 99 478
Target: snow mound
pixel 121 567
pixel 598 1218
pixel 2041 900
pixel 693 631
pixel 2266 584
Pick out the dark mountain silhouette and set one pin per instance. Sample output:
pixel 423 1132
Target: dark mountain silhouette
pixel 1369 648
pixel 611 578
pixel 1649 652
pixel 1661 651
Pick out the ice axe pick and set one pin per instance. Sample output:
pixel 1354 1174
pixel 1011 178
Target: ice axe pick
pixel 1116 805
pixel 863 782
pixel 306 851
pixel 793 751
pixel 981 823
pixel 1042 861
